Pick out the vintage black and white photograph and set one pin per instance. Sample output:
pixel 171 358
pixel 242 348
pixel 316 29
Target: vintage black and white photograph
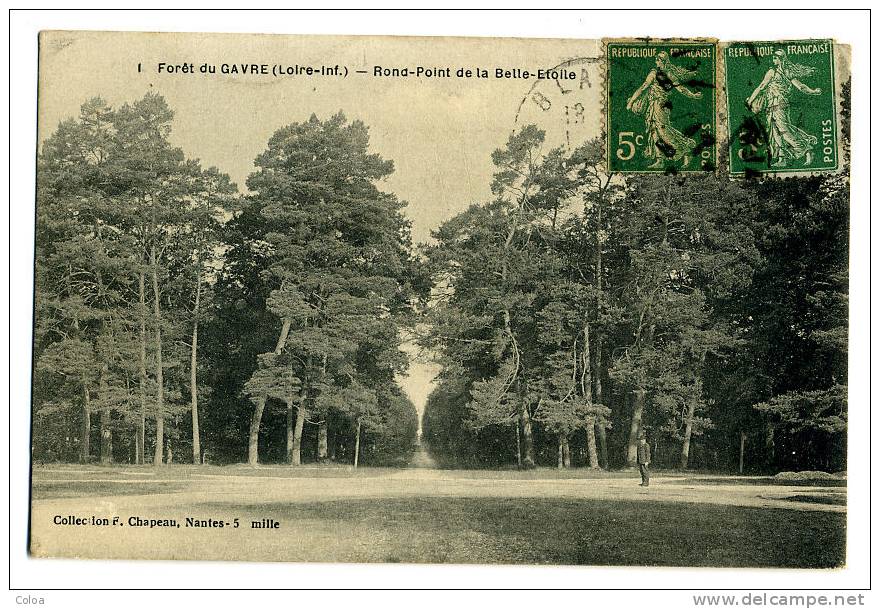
pixel 508 301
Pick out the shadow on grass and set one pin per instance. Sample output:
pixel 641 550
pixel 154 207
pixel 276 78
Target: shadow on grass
pixel 90 488
pixel 768 481
pixel 827 499
pixel 552 531
pixel 538 473
pixel 177 471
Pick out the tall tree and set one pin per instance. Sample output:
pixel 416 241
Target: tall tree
pixel 588 243
pixel 682 255
pixel 488 264
pixel 338 251
pixel 81 264
pixel 798 310
pixel 115 200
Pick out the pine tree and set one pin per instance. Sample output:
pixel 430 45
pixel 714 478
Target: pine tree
pixel 338 254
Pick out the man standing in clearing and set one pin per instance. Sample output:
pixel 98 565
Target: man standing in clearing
pixel 644 459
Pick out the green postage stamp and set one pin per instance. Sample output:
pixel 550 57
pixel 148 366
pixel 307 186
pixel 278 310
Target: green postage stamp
pixel 781 107
pixel 660 106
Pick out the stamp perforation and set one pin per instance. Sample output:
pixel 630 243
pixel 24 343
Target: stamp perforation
pixel 681 146
pixel 732 131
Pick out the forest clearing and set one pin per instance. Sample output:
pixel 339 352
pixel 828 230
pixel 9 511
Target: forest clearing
pixel 337 514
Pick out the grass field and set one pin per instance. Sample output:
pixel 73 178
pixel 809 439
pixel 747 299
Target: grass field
pixel 335 514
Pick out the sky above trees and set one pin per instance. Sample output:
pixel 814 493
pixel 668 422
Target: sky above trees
pixel 432 129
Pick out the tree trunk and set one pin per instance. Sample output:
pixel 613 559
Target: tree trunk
pixel 193 368
pixel 635 426
pixel 592 454
pixel 603 445
pixel 332 442
pixel 770 444
pixel 560 461
pixel 600 427
pixel 524 449
pixel 140 439
pixel 357 442
pixel 566 452
pixel 689 425
pixel 322 440
pixel 518 446
pixel 289 428
pixel 587 394
pixel 86 422
pixel 254 434
pixel 528 444
pixel 742 450
pixel 688 431
pixel 296 449
pixel 106 434
pixel 323 424
pixel 160 383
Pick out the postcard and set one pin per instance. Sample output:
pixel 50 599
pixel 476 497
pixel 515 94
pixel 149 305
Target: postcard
pixel 441 300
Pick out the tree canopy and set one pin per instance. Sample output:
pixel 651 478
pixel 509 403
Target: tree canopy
pixel 179 319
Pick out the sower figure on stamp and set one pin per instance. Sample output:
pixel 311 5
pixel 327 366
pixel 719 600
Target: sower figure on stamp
pixel 772 99
pixel 651 101
pixel 644 459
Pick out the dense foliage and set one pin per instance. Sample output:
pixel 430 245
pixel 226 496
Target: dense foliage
pixel 181 312
pixel 179 320
pixel 577 309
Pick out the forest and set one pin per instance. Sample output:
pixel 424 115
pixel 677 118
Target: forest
pixel 181 319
